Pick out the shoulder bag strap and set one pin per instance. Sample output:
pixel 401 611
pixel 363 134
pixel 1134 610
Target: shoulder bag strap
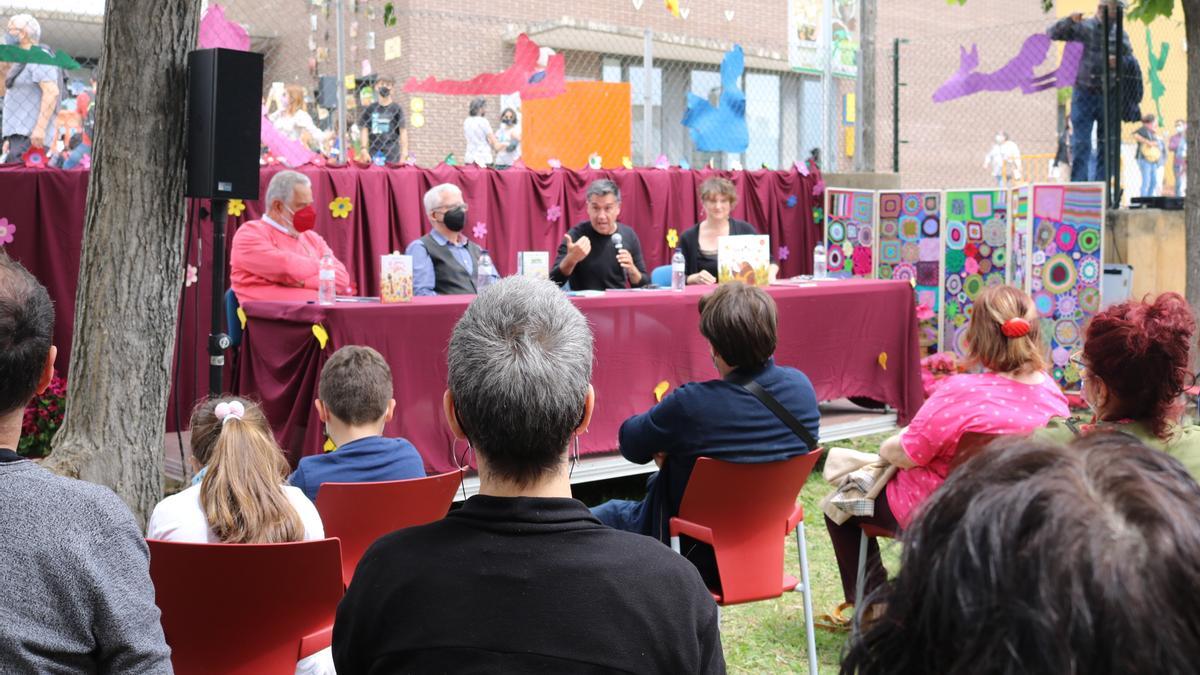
pixel 781 412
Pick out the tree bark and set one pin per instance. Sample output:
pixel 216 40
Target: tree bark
pixel 131 267
pixel 864 155
pixel 1191 211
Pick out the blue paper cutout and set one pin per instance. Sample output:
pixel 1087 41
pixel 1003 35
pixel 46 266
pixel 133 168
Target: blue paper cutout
pixel 721 129
pixel 791 201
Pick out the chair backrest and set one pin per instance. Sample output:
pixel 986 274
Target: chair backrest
pixel 969 445
pixel 747 507
pixel 661 276
pixel 233 325
pixel 243 608
pixel 360 513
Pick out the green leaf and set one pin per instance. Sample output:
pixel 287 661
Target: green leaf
pixel 1149 10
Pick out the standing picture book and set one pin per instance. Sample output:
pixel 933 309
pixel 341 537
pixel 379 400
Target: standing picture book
pixel 395 278
pixel 745 258
pixel 533 264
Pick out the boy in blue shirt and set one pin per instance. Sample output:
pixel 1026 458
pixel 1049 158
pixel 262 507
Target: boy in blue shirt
pixel 354 400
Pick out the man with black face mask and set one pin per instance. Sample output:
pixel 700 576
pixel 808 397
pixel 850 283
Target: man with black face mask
pixel 444 260
pixel 382 126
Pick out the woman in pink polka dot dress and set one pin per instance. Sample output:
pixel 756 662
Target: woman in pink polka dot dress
pixel 1014 395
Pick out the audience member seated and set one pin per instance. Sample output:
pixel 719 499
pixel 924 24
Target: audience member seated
pixel 699 243
pixel 589 258
pixel 279 257
pixel 242 498
pixel 718 418
pixel 76 594
pixel 1014 395
pixel 445 260
pixel 1040 558
pixel 1135 367
pixel 354 400
pixel 522 578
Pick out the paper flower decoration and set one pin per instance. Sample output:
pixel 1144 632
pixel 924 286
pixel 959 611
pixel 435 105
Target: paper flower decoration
pixel 882 360
pixel 801 168
pixel 673 8
pixel 480 230
pixel 554 163
pixel 662 162
pixel 411 160
pixel 784 253
pixel 321 334
pixel 35 158
pixel 7 230
pixel 450 160
pixel 191 277
pixel 672 238
pixel 791 201
pixel 924 312
pixel 818 188
pixel 683 164
pixel 236 207
pixel 85 162
pixel 626 162
pixel 660 390
pixel 341 207
pixel 554 213
pixel 595 161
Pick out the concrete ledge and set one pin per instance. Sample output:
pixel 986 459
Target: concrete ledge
pixel 1153 242
pixel 863 181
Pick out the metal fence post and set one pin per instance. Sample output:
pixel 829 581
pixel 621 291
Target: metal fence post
pixel 896 105
pixel 341 85
pixel 647 96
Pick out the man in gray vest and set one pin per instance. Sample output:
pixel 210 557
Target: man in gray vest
pixel 444 260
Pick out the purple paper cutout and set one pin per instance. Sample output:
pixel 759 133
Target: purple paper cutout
pixel 1018 73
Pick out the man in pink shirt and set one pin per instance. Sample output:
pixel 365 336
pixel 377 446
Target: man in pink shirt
pixel 279 257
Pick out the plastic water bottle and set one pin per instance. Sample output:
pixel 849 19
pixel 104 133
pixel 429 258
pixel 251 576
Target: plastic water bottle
pixel 485 272
pixel 678 277
pixel 327 284
pixel 819 269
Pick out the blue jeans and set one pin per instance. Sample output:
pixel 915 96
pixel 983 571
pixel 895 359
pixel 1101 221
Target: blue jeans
pixel 1087 111
pixel 1149 177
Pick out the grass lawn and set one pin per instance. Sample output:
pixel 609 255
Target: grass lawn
pixel 768 636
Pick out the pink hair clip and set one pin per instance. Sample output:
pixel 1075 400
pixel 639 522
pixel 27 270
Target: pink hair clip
pixel 1015 327
pixel 227 409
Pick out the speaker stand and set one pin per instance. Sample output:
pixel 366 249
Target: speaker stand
pixel 218 340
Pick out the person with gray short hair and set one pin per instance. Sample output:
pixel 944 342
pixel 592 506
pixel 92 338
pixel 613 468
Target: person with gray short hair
pixel 600 253
pixel 30 92
pixel 522 578
pixel 445 260
pixel 279 256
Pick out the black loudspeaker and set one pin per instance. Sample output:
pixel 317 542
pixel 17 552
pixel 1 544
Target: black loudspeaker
pixel 327 91
pixel 224 123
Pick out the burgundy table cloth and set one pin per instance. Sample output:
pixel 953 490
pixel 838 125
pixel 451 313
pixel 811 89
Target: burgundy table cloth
pixel 512 210
pixel 835 332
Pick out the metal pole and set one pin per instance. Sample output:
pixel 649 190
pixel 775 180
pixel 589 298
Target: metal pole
pixel 647 96
pixel 896 105
pixel 828 147
pixel 341 83
pixel 864 125
pixel 218 340
pixel 1114 136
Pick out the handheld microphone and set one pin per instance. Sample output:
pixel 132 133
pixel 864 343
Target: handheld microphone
pixel 616 241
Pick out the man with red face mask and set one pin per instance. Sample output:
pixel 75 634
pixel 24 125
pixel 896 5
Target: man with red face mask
pixel 279 257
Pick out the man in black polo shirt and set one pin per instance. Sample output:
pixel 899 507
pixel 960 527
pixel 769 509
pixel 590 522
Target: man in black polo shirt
pixel 523 578
pixel 590 257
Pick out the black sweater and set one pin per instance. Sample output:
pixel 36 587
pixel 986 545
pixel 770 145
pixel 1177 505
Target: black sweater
pixel 690 243
pixel 524 585
pixel 600 269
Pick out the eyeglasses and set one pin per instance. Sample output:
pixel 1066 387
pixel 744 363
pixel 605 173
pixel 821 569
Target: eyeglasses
pixel 450 207
pixel 1077 361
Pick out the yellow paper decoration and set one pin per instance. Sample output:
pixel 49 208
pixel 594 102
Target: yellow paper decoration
pixel 321 335
pixel 660 390
pixel 672 238
pixel 341 207
pixel 673 8
pixel 236 207
pixel 351 83
pixel 329 446
pixel 883 360
pixel 626 162
pixel 416 104
pixel 241 315
pixel 418 120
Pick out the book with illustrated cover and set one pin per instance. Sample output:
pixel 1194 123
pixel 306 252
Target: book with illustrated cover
pixel 534 264
pixel 395 278
pixel 745 258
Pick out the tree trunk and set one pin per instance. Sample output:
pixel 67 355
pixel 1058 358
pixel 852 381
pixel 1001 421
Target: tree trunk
pixel 1191 212
pixel 131 267
pixel 864 154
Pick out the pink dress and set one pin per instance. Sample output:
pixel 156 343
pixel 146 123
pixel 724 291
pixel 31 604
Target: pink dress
pixel 985 403
pixel 267 264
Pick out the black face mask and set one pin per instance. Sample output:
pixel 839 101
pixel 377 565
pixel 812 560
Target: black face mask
pixel 455 219
pixel 509 121
pixel 385 92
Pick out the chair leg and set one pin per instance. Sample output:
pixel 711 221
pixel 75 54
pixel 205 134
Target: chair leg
pixel 862 572
pixel 675 545
pixel 809 630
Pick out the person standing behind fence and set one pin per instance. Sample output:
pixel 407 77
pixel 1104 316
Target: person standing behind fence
pixel 1149 155
pixel 1087 97
pixel 508 138
pixel 1004 160
pixel 382 126
pixel 30 92
pixel 478 132
pixel 1179 146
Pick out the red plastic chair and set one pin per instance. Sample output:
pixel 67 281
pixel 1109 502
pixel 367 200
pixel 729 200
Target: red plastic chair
pixel 245 608
pixel 745 511
pixel 360 513
pixel 969 445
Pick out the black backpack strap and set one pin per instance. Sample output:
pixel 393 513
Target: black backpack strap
pixel 776 407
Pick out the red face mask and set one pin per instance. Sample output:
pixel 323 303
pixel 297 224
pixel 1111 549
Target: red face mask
pixel 304 218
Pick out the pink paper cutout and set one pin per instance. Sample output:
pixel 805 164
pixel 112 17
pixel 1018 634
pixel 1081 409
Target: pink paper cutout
pixel 801 168
pixel 783 254
pixel 291 153
pixel 217 31
pixel 524 77
pixel 7 230
pixel 480 230
pixel 554 213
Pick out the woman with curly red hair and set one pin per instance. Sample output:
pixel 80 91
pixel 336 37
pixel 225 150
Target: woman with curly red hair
pixel 1135 368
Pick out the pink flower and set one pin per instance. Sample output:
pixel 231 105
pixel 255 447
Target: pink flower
pixel 554 163
pixel 783 253
pixel 924 312
pixel 554 213
pixel 7 230
pixel 480 230
pixel 192 276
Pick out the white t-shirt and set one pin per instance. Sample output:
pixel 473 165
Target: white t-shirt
pixel 181 518
pixel 477 129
